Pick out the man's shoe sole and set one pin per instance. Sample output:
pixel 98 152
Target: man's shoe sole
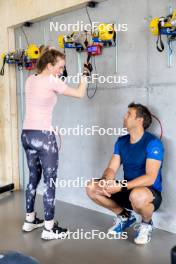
pixel 139 243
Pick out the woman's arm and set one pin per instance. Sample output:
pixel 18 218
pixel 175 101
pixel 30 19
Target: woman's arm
pixel 62 88
pixel 78 92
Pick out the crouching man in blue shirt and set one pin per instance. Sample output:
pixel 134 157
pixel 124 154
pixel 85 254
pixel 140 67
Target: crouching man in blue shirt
pixel 141 154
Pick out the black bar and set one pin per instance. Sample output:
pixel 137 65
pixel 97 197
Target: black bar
pixel 7 188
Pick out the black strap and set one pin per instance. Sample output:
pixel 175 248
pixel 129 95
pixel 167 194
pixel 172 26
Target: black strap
pixel 88 65
pixel 114 36
pixel 2 69
pixel 159 42
pixel 88 58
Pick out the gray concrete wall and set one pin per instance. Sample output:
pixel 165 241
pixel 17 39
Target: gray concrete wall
pixel 150 82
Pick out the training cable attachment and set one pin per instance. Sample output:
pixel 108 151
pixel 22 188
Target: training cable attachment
pixel 3 65
pixel 159 42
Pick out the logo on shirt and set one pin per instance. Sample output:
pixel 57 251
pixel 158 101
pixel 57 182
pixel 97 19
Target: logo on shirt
pixel 156 151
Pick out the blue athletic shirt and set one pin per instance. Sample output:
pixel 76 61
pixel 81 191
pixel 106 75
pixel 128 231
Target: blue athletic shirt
pixel 134 156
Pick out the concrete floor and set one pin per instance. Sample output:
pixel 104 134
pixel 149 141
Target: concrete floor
pixel 72 251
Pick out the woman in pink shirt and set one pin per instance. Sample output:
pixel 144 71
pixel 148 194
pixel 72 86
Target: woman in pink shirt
pixel 39 141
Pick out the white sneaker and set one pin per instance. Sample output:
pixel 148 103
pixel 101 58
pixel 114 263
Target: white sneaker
pixel 144 234
pixel 55 233
pixel 29 226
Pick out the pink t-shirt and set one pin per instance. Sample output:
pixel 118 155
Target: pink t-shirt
pixel 40 98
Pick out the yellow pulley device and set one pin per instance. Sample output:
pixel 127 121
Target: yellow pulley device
pixel 60 40
pixel 154 29
pixel 154 26
pixel 3 55
pixel 106 31
pixel 32 52
pixel 165 22
pixel 163 26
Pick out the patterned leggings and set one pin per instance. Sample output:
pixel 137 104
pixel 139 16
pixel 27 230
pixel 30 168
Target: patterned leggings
pixel 42 156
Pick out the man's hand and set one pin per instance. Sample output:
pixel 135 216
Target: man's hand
pixel 87 69
pixel 112 187
pixel 109 174
pixel 101 188
pixel 108 187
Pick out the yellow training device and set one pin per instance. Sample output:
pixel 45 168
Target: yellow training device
pixel 32 52
pixel 166 23
pixel 154 26
pixel 105 31
pixel 3 55
pixel 61 41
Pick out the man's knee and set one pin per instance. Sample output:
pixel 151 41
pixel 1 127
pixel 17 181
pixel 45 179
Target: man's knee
pixel 140 197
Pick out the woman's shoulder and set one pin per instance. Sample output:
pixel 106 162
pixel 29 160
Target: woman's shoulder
pixel 30 77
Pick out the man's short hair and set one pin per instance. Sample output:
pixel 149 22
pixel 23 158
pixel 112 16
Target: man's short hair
pixel 142 111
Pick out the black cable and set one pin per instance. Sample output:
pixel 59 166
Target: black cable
pixel 89 17
pixel 96 85
pixel 25 35
pixel 161 127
